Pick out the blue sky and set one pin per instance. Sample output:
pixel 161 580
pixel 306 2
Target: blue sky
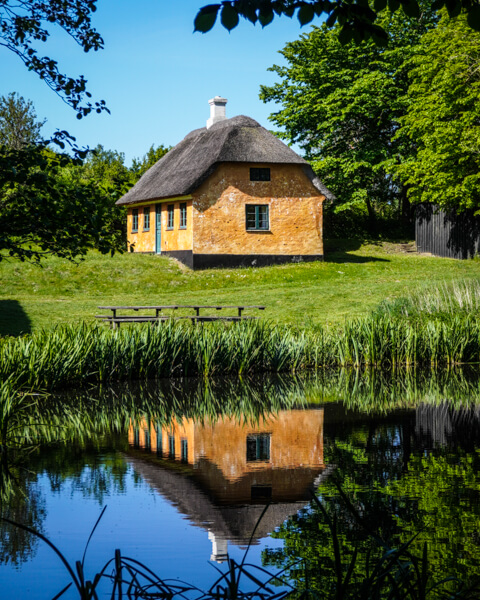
pixel 155 74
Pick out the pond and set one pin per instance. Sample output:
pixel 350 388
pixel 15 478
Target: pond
pixel 186 470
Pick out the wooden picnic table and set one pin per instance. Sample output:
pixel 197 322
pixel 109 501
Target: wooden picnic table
pixel 115 319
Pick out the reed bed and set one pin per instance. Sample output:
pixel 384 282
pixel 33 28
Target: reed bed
pixel 67 355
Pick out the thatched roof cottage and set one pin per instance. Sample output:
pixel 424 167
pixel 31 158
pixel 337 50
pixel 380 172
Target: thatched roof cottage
pixel 229 194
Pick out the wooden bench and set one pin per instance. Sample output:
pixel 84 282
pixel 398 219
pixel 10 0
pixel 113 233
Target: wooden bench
pixel 116 320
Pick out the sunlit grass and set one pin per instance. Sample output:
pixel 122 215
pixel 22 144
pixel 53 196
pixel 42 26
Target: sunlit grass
pixel 352 281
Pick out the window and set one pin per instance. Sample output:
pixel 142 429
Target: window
pixel 259 174
pixel 170 214
pixel 146 218
pixel 135 220
pixel 258 447
pixel 183 215
pixel 257 217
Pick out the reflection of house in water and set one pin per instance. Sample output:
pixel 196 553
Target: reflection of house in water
pixel 220 475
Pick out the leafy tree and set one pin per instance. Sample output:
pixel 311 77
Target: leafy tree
pixel 342 105
pixel 443 118
pixel 26 24
pixel 356 19
pixel 44 211
pixel 153 155
pixel 18 122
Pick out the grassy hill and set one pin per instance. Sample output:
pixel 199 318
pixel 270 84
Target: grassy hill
pixel 352 280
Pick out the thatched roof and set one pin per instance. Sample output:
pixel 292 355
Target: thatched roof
pixel 184 168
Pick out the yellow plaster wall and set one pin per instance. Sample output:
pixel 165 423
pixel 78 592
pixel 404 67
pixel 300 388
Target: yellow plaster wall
pixel 295 212
pixel 143 241
pixel 175 239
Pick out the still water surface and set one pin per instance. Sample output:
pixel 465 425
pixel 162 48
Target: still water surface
pixel 184 491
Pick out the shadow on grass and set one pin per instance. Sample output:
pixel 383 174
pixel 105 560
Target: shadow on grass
pixel 13 319
pixel 338 251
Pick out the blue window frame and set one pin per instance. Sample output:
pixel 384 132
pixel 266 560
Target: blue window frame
pixel 183 215
pixel 257 217
pixel 170 216
pixel 134 220
pixel 146 218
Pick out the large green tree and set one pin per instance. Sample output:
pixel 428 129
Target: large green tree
pixel 43 211
pixel 342 104
pixel 443 118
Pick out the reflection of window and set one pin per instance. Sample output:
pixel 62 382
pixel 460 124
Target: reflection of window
pixel 261 492
pixel 184 450
pixel 183 215
pixel 259 174
pixel 147 438
pixel 170 216
pixel 136 437
pixel 159 441
pixel 257 217
pixel 258 447
pixel 171 446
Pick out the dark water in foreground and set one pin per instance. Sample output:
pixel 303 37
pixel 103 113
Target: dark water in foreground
pixel 185 481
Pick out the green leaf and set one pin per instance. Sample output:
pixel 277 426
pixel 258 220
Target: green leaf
pixel 305 14
pixel 411 8
pixel 454 8
pixel 206 18
pixel 345 34
pixel 332 19
pixel 229 17
pixel 266 16
pixel 379 5
pixel 473 17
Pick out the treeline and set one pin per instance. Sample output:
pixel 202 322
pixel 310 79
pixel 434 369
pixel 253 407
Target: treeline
pixel 386 126
pixel 56 198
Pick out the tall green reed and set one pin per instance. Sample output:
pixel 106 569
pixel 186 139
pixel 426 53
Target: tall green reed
pixel 64 356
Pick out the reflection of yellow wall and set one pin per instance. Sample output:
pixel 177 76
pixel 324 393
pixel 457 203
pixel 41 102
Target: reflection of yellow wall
pixel 296 440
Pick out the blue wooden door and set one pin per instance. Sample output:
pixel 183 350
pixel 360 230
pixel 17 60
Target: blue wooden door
pixel 158 228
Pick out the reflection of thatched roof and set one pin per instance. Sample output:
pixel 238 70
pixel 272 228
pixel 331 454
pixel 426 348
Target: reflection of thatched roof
pixel 189 163
pixel 235 523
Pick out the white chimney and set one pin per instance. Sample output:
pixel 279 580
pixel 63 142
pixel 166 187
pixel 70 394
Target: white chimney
pixel 217 110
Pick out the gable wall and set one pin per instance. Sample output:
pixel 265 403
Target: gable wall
pixel 295 211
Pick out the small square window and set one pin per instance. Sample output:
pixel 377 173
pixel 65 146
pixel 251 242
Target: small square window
pixel 259 174
pixel 134 220
pixel 257 217
pixel 146 218
pixel 183 215
pixel 170 216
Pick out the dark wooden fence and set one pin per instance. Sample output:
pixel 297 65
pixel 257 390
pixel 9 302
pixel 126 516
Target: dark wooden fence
pixel 445 233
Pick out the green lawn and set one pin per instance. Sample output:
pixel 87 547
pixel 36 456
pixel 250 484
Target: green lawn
pixel 352 280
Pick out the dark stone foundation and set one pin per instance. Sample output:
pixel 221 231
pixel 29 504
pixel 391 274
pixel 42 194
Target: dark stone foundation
pixel 229 261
